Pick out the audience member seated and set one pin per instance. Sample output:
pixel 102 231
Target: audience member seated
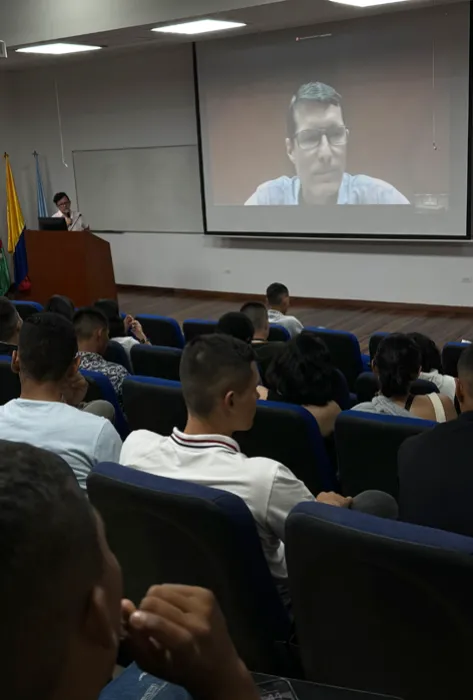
pixel 64 615
pixel 59 304
pixel 237 325
pixel 128 331
pixel 435 473
pixel 431 363
pixel 10 325
pixel 92 331
pixel 397 365
pixel 302 374
pixel 219 380
pixel 278 303
pixel 265 351
pixel 48 366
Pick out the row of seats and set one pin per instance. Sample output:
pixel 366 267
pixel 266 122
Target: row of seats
pixel 409 634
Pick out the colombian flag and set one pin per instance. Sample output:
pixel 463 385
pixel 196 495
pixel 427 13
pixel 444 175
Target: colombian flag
pixel 16 233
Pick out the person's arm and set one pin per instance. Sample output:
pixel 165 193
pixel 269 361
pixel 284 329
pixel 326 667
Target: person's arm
pixel 180 635
pixel 109 445
pixel 286 493
pixel 138 332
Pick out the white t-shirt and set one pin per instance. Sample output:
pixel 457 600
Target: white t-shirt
pixel 127 342
pixel 291 323
pixel 81 439
pixel 269 489
pixel 445 384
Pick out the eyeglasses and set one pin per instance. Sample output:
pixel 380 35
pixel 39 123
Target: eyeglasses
pixel 312 138
pixel 64 204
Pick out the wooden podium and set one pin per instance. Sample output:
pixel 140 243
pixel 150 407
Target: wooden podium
pixel 74 263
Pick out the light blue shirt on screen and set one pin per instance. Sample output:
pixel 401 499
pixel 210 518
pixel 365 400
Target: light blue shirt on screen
pixel 354 189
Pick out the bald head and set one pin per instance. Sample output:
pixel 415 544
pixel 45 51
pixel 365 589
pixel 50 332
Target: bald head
pixel 465 380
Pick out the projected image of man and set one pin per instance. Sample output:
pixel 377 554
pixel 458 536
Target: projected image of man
pixel 316 143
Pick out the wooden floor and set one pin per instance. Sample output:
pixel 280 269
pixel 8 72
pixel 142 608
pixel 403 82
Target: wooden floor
pixel 361 322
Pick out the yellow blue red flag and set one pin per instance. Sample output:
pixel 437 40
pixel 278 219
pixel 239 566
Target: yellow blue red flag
pixel 16 232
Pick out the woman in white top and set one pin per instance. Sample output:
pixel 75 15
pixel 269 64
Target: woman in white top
pixel 431 365
pixel 398 365
pixel 120 329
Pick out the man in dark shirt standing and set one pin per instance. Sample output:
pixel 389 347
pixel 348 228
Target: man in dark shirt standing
pixel 436 469
pixel 10 325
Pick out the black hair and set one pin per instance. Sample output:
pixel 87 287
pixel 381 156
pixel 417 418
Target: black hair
pixel 60 195
pixel 47 347
pixel 465 367
pixel 111 310
pixel 59 304
pixel 8 319
pixel 237 325
pixel 398 362
pixel 51 560
pixel 310 92
pixel 430 354
pixel 302 373
pixel 276 293
pixel 257 312
pixel 87 321
pixel 211 366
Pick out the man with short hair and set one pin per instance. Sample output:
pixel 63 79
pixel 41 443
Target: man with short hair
pixel 91 326
pixel 316 145
pixel 219 380
pixel 279 302
pixel 265 351
pixel 10 325
pixel 63 613
pixel 74 219
pixel 237 325
pixel 435 471
pixel 48 366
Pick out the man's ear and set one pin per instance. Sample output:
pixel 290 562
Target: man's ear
pixel 15 362
pixel 290 150
pixel 460 392
pixel 229 399
pixel 98 625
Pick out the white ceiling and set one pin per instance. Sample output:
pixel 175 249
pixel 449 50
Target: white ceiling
pixel 291 13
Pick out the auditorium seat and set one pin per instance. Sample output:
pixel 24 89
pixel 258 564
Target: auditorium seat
pixel 108 393
pixel 367 386
pixel 162 330
pixel 27 308
pixel 117 353
pixel 450 355
pixel 375 340
pixel 367 445
pixel 163 530
pixel 194 327
pixel 290 435
pixel 278 333
pixel 156 361
pixel 345 352
pixel 380 605
pixel 154 404
pixel 9 381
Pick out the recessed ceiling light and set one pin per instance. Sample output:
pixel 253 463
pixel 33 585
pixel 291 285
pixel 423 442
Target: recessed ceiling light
pixel 367 3
pixel 200 26
pixel 58 49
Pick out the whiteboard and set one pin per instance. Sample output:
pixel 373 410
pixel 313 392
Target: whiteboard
pixel 140 189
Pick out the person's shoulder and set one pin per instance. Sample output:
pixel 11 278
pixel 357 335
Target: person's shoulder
pixel 57 215
pixel 282 190
pixel 372 190
pixel 115 368
pixel 365 407
pixel 140 442
pixel 262 466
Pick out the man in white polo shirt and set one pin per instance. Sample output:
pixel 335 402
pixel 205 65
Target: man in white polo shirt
pixel 219 379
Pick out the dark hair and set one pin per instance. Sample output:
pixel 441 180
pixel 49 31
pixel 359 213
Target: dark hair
pixel 60 195
pixel 465 367
pixel 310 92
pixel 276 293
pixel 51 559
pixel 257 313
pixel 429 352
pixel 87 321
pixel 302 373
pixel 61 305
pixel 8 319
pixel 398 361
pixel 211 366
pixel 47 347
pixel 111 310
pixel 237 325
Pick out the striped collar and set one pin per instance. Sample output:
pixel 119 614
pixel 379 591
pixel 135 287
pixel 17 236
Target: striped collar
pixel 203 442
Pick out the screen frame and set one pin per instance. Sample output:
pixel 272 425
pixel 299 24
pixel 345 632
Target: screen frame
pixel 369 237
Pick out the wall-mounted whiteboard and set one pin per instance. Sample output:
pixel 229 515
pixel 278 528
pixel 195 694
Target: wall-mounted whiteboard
pixel 140 189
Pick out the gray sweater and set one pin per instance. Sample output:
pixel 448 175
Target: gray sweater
pixel 381 404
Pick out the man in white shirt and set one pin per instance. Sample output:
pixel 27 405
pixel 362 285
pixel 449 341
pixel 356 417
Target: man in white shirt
pixel 47 362
pixel 219 379
pixel 74 219
pixel 279 302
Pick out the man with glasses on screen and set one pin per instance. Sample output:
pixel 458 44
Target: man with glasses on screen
pixel 317 147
